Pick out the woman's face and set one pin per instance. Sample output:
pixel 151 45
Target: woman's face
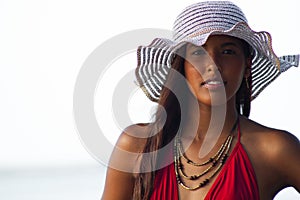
pixel 219 64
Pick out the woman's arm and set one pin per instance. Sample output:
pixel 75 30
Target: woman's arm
pixel 275 157
pixel 118 185
pixel 123 164
pixel 289 161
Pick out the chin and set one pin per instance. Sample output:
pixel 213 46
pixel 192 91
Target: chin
pixel 212 98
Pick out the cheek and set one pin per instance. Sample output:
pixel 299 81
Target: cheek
pixel 234 77
pixel 193 78
pixel 240 72
pixel 193 71
pixel 234 67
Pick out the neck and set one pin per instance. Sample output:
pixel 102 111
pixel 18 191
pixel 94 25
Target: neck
pixel 210 122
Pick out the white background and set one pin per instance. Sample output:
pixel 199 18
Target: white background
pixel 43 45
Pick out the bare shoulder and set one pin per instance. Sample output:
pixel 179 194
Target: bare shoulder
pixel 272 141
pixel 129 147
pixel 274 154
pixel 133 138
pixel 124 162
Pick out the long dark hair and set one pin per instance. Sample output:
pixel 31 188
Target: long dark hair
pixel 169 104
pixel 243 96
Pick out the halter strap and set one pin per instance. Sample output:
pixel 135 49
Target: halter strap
pixel 239 132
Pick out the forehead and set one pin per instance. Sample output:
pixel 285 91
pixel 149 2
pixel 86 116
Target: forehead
pixel 220 40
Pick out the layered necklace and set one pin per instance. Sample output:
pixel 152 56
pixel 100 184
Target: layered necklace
pixel 214 163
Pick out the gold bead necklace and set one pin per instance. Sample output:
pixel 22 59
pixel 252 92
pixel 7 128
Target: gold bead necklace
pixel 216 162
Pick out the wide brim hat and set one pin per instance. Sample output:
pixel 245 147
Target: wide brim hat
pixel 194 25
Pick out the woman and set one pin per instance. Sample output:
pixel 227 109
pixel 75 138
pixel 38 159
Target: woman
pixel 202 144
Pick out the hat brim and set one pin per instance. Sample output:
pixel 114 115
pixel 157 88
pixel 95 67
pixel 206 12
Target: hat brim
pixel 154 60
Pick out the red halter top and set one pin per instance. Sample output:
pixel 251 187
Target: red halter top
pixel 236 180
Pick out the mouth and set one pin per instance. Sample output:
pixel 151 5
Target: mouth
pixel 213 83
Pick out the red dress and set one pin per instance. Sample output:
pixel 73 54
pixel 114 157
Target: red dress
pixel 236 180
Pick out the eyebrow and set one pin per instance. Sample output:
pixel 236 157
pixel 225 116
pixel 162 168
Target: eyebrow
pixel 229 44
pixel 192 47
pixel 226 44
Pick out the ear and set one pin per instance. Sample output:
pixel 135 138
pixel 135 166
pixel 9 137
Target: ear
pixel 248 67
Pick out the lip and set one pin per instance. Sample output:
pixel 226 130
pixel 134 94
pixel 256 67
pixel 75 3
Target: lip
pixel 213 84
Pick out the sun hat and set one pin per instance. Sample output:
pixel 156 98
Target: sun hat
pixel 194 25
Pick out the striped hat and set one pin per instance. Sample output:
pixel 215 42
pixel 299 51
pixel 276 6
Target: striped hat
pixel 194 25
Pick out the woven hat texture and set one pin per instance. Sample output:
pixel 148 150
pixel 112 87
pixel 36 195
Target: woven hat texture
pixel 194 25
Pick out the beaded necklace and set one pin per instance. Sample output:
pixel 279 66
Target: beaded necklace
pixel 216 162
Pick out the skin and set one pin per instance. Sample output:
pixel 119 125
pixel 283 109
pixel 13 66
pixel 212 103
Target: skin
pixel 274 154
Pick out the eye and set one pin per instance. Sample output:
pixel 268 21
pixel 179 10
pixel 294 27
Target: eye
pixel 199 52
pixel 229 52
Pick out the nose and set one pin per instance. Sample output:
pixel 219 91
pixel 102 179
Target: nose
pixel 212 63
pixel 212 67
